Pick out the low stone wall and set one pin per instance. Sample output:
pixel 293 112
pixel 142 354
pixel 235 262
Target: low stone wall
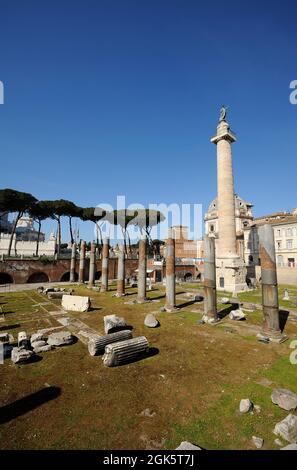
pixel 30 271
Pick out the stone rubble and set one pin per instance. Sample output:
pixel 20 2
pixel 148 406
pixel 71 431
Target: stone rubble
pixel 185 445
pixel 113 323
pixel 284 398
pixel 245 405
pixel 4 338
pixel 19 355
pixel 61 338
pixel 287 428
pixel 38 337
pixel 290 447
pixel 76 303
pixel 45 348
pixel 23 341
pixel 38 344
pixel 258 441
pixel 236 314
pixel 150 321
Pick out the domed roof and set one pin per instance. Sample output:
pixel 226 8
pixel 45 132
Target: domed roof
pixel 239 204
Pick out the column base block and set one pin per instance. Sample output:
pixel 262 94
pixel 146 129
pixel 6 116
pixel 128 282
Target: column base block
pixel 210 320
pixel 273 338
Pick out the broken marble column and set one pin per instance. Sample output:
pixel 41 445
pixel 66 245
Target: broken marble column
pixel 76 303
pixel 105 260
pixel 97 344
pixel 121 272
pixel 170 274
pixel 60 338
pixel 141 281
pixel 113 323
pixel 81 276
pixel 271 327
pixel 125 351
pixel 210 292
pixel 92 265
pixel 287 428
pixel 72 263
pixel 23 340
pixel 19 355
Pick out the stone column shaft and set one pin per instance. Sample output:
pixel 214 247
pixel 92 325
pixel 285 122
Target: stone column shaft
pixel 81 275
pixel 271 327
pixel 210 293
pixel 72 263
pixel 141 281
pixel 226 205
pixel 105 259
pixel 121 272
pixel 170 274
pixel 92 265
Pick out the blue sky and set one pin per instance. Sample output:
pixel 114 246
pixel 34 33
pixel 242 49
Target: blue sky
pixel 107 98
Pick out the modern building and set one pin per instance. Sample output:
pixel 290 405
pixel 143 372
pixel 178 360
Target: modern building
pixel 25 239
pixel 185 249
pixel 285 235
pixel 26 231
pixel 5 225
pixel 243 219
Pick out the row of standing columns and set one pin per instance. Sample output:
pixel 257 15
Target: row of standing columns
pixel 270 304
pixel 142 269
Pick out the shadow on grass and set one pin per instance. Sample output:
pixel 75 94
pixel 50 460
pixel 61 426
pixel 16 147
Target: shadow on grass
pixel 10 327
pixel 223 313
pixel 28 403
pixel 283 317
pixel 186 304
pixel 162 296
pixel 120 328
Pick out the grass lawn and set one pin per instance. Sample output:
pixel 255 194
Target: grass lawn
pixel 191 386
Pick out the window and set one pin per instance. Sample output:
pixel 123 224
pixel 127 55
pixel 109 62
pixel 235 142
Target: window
pixel 278 233
pixel 289 232
pixel 280 260
pixel 278 244
pixel 289 244
pixel 212 228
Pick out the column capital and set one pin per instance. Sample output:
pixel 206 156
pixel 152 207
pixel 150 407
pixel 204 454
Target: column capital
pixel 223 133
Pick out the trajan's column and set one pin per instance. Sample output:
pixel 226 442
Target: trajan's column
pixel 230 268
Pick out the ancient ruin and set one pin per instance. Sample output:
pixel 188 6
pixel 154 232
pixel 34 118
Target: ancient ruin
pixel 105 261
pixel 231 270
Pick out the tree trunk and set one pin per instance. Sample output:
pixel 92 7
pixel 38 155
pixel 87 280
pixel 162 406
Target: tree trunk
pixel 125 244
pixel 13 232
pixel 71 232
pixel 129 242
pixel 38 236
pixel 99 231
pixel 59 235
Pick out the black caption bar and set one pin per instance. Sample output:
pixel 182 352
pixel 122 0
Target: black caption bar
pixel 203 459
